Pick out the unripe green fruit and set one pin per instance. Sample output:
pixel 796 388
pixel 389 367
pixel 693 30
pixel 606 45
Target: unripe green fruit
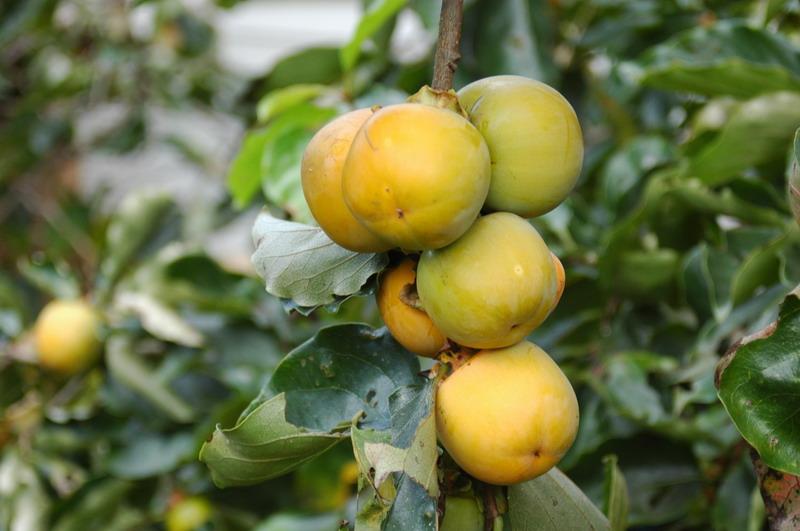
pixel 416 175
pixel 321 174
pixel 493 286
pixel 188 514
pixel 66 335
pixel 534 138
pixel 508 415
pixel 462 514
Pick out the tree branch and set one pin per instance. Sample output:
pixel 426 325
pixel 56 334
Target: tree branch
pixel 447 46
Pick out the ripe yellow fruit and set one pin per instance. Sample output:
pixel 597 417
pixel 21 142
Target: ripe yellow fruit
pixel 188 514
pixel 411 327
pixel 66 335
pixel 507 415
pixel 417 175
pixel 321 176
pixel 534 138
pixel 493 286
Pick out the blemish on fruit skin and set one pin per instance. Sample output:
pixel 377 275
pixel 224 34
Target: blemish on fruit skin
pixel 400 213
pixel 519 270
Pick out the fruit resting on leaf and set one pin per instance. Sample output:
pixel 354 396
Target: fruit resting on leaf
pixel 493 286
pixel 417 175
pixel 188 514
pixel 66 334
pixel 321 172
pixel 508 415
pixel 534 138
pixel 410 326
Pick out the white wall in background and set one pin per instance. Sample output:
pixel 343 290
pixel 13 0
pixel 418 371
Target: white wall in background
pixel 253 35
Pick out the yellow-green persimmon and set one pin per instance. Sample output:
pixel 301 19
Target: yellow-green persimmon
pixel 493 286
pixel 534 138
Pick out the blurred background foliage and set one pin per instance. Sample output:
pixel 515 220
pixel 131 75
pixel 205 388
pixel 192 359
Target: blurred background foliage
pixel 677 242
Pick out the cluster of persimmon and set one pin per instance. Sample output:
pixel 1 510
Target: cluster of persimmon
pixel 449 180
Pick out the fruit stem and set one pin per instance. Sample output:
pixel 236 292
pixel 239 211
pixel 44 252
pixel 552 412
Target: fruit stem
pixel 447 46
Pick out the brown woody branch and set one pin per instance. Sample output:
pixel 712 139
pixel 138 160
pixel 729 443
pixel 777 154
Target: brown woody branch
pixel 447 46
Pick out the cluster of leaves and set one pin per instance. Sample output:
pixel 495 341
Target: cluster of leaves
pixel 187 343
pixel 678 242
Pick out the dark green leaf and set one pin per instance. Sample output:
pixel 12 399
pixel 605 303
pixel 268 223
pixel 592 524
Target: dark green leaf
pixel 151 455
pixel 552 502
pixel 627 168
pixel 759 385
pixel 130 370
pixel 343 370
pixel 732 507
pixel 309 66
pixel 301 263
pixel 508 40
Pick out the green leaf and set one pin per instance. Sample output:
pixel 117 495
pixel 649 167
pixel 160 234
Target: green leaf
pixel 341 371
pixel 56 281
pixel 281 100
pixel 143 223
pixel 646 273
pixel 758 131
pixel 97 505
pixel 158 319
pixel 400 464
pixel 627 168
pixel 310 66
pixel 151 455
pixel 271 157
pixel 615 495
pixel 552 502
pixel 733 503
pixel 299 522
pixel 263 445
pixel 301 263
pixel 707 279
pixel 378 14
pixel 728 58
pixel 508 40
pixel 759 384
pixel 244 174
pixel 130 370
pixel 794 177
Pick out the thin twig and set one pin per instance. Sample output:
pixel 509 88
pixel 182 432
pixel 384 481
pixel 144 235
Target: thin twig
pixel 447 46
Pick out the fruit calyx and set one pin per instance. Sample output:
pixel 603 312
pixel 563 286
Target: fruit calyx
pixel 451 358
pixel 442 99
pixel 410 297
